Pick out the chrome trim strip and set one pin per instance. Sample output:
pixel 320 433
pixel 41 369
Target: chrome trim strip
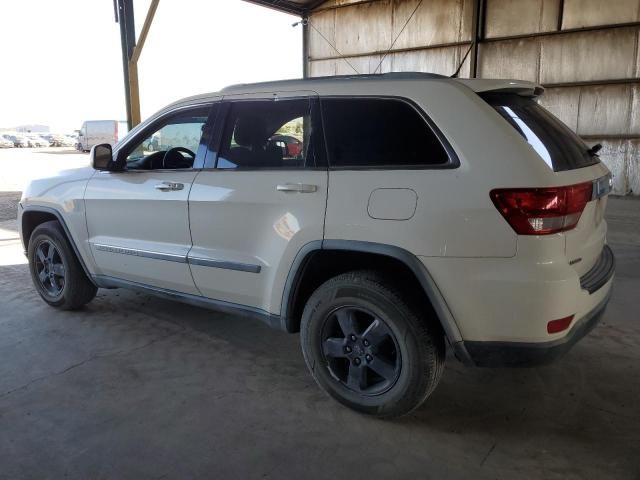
pixel 240 267
pixel 170 257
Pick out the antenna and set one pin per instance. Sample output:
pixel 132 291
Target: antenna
pixel 455 75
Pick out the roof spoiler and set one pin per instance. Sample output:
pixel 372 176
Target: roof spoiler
pixel 519 87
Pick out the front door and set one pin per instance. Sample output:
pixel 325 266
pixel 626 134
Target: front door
pixel 138 220
pixel 262 201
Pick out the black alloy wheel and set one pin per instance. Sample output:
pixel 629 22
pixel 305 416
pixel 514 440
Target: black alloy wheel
pixel 361 351
pixel 50 269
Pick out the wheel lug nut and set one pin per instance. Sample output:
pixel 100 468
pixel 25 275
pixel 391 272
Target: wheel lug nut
pixel 356 361
pixel 353 338
pixel 365 342
pixel 368 357
pixel 347 349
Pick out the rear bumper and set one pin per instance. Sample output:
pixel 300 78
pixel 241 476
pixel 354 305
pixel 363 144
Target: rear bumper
pixel 600 273
pixel 521 354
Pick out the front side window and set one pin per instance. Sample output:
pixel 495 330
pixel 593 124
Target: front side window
pixel 375 133
pixel 173 145
pixel 268 134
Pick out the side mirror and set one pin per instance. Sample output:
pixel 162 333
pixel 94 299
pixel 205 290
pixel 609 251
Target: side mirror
pixel 101 158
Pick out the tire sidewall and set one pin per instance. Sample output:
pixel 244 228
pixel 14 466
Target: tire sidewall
pixel 320 306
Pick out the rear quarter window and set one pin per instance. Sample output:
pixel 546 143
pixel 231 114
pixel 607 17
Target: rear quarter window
pixel 379 133
pixel 552 140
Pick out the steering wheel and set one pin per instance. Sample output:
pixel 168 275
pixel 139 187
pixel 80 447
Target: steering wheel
pixel 177 149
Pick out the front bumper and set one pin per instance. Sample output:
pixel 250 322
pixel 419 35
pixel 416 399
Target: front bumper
pixel 521 354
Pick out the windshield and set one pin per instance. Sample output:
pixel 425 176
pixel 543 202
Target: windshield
pixel 552 140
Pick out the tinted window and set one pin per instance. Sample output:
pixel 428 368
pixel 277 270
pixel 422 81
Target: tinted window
pixel 554 142
pixel 379 133
pixel 268 134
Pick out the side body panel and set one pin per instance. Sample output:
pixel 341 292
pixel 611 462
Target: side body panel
pixel 62 195
pixel 140 233
pixel 246 233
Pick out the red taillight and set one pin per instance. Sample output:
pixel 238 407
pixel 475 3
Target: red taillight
pixel 555 326
pixel 542 211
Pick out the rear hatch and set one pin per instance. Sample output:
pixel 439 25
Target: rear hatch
pixel 566 154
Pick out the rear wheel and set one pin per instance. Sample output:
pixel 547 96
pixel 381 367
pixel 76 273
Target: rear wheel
pixel 369 348
pixel 55 270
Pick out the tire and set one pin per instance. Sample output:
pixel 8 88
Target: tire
pixel 57 274
pixel 397 357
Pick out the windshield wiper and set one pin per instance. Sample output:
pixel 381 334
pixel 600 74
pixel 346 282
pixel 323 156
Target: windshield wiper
pixel 595 149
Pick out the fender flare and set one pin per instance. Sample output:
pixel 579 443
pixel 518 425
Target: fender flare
pixel 67 232
pixel 427 283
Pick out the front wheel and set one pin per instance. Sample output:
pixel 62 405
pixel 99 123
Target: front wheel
pixel 369 348
pixel 55 270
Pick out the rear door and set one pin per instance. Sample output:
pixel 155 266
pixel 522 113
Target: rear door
pixel 258 203
pixel 138 220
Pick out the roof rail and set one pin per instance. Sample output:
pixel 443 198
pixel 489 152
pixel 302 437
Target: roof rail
pixel 367 76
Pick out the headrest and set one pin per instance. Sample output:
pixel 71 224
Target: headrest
pixel 250 131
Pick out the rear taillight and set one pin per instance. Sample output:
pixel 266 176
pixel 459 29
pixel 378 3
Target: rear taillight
pixel 542 211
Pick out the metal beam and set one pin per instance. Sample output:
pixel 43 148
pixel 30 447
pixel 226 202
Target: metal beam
pixel 145 30
pixel 477 34
pixel 566 31
pixel 131 53
pixel 124 10
pixel 305 48
pixel 390 52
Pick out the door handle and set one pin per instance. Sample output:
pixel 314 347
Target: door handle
pixel 169 186
pixel 297 187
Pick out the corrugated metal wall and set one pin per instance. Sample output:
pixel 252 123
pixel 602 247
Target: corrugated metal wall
pixel 585 52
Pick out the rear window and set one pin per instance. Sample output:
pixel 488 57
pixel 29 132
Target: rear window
pixel 378 133
pixel 556 143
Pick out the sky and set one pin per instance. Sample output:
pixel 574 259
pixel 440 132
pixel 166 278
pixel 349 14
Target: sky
pixel 62 60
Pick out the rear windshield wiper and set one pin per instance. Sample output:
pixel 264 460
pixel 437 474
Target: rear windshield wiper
pixel 595 149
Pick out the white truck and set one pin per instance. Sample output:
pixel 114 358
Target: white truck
pixel 95 132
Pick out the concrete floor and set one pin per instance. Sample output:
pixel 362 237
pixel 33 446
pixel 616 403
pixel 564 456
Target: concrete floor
pixel 134 387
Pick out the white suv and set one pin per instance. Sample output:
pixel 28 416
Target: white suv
pixel 383 216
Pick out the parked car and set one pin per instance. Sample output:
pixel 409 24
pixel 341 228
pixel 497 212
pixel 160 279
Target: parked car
pixel 426 214
pixel 37 141
pixel 94 132
pixel 6 142
pixel 54 139
pixel 19 141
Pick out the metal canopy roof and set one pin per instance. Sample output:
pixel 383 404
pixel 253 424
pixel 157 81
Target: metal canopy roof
pixel 295 7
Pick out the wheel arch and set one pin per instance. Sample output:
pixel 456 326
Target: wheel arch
pixel 298 286
pixel 32 216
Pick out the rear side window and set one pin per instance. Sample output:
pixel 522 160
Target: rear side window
pixel 268 134
pixel 552 140
pixel 370 132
